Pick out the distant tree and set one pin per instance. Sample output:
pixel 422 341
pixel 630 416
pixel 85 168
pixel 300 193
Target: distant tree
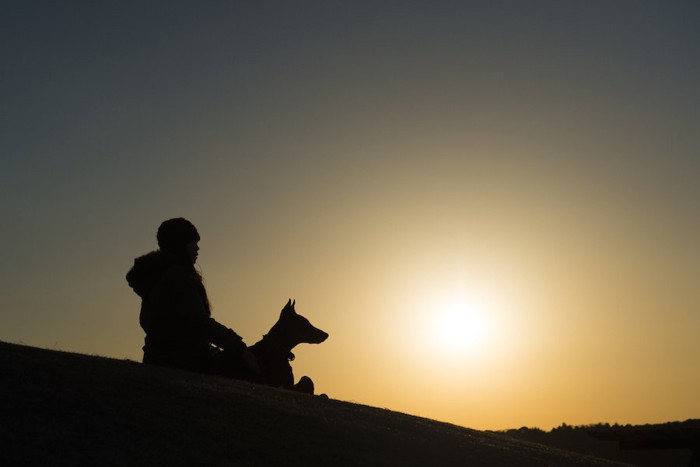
pixel 577 439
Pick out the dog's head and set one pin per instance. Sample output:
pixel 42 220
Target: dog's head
pixel 299 329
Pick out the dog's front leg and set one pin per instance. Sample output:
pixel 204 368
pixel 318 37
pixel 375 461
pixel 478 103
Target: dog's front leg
pixel 305 385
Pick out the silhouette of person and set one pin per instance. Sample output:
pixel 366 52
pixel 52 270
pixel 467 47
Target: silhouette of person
pixel 175 311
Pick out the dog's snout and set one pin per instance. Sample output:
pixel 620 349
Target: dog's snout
pixel 319 336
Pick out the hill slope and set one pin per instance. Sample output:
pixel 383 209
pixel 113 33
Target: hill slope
pixel 59 408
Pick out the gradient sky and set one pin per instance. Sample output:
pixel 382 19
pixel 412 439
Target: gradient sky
pixel 492 207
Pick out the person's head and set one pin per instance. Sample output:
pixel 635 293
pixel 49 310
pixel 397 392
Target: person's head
pixel 178 238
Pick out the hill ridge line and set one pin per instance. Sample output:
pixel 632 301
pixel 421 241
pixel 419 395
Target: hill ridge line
pixel 65 408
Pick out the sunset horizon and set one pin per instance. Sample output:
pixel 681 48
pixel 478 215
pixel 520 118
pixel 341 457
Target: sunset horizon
pixel 491 208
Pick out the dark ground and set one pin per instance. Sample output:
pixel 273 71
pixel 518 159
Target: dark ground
pixel 59 408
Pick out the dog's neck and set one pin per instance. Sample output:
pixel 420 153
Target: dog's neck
pixel 274 341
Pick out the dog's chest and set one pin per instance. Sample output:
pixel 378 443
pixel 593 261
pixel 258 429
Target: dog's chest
pixel 276 369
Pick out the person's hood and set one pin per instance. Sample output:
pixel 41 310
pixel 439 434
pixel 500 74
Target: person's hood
pixel 147 271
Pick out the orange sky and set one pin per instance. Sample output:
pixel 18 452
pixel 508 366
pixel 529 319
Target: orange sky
pixel 491 209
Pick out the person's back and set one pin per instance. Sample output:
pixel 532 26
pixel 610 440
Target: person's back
pixel 175 312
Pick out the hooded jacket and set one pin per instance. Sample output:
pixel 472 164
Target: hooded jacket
pixel 175 314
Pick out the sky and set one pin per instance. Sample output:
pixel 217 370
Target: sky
pixel 491 207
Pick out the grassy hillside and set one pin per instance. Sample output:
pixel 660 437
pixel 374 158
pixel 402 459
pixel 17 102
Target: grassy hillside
pixel 58 408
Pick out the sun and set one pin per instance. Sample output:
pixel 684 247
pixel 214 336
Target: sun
pixel 462 326
pixel 458 323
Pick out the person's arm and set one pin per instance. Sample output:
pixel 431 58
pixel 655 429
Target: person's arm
pixel 224 337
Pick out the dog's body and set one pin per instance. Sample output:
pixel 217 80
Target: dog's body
pixel 274 351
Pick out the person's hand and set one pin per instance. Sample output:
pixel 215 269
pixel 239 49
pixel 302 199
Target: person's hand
pixel 251 361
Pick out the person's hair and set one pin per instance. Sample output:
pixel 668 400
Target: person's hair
pixel 174 234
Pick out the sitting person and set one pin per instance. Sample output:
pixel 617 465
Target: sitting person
pixel 175 311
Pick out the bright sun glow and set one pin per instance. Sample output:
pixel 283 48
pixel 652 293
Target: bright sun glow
pixel 459 322
pixel 463 326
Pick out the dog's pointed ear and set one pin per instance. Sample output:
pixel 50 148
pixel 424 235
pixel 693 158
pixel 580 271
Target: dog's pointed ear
pixel 288 309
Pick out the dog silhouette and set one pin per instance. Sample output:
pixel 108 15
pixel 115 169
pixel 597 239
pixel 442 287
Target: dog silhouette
pixel 274 350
